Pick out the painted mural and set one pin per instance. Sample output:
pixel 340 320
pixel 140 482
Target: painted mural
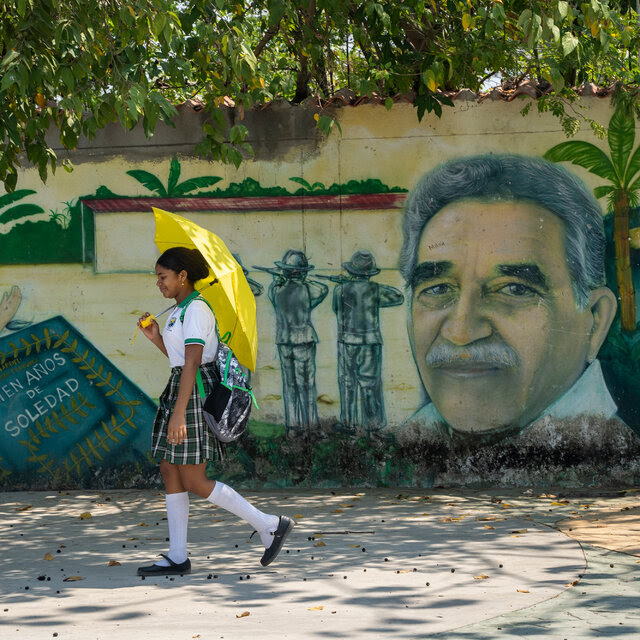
pixel 67 412
pixel 507 330
pixel 293 296
pixel 474 325
pixel 357 301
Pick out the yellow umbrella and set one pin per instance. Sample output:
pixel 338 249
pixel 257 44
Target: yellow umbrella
pixel 230 296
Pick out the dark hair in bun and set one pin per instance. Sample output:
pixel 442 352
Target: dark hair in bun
pixel 182 259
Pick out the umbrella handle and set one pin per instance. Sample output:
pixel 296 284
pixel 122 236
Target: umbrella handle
pixel 147 321
pixel 143 323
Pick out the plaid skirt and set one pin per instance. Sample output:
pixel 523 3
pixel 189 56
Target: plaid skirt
pixel 200 444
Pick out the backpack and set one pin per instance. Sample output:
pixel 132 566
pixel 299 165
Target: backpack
pixel 227 407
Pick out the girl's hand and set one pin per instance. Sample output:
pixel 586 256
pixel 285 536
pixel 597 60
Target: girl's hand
pixel 149 326
pixel 177 429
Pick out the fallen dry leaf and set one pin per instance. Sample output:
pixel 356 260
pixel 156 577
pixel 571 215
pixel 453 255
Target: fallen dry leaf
pixel 560 502
pixel 338 511
pixel 520 531
pixel 426 514
pixel 25 508
pixel 73 579
pixel 320 608
pixel 573 583
pixel 244 614
pixel 320 544
pixel 47 556
pixel 346 505
pixel 85 516
pixel 482 576
pixel 297 516
pixel 131 539
pixel 142 524
pixel 446 519
pixel 113 563
pixel 489 519
pixel 523 590
pixel 354 546
pixel 196 636
pixel 488 526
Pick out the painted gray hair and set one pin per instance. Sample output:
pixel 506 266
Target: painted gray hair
pixel 512 177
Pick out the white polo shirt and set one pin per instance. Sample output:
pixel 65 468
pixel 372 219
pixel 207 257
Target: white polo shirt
pixel 197 327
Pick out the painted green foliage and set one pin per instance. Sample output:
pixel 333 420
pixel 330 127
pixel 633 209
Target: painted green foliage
pixel 174 189
pixel 37 241
pixel 621 168
pixel 17 212
pixel 60 239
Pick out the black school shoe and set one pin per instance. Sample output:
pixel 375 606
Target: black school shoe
pixel 174 569
pixel 285 525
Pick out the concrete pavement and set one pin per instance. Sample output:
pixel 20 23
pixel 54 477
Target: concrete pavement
pixel 360 564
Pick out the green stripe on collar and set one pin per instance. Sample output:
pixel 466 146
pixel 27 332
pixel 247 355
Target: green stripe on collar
pixel 188 299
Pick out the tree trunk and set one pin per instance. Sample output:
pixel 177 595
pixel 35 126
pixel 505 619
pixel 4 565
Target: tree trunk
pixel 623 263
pixel 302 80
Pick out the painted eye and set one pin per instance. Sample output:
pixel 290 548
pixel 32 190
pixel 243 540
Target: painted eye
pixel 518 290
pixel 436 290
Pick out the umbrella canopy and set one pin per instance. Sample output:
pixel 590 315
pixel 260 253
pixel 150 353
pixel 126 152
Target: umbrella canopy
pixel 230 297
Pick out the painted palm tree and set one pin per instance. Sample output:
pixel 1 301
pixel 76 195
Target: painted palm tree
pixel 174 188
pixel 621 168
pixel 19 211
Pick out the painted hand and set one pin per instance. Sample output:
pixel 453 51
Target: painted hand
pixel 9 304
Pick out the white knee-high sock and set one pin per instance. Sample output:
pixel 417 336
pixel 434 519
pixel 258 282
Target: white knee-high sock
pixel 229 499
pixel 178 519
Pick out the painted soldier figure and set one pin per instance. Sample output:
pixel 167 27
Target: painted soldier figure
pixel 293 297
pixel 357 302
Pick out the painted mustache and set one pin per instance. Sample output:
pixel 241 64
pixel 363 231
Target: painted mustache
pixel 497 355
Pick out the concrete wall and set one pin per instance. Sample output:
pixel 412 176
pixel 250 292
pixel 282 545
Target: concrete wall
pixel 90 259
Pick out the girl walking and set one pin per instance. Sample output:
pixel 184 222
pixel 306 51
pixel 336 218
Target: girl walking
pixel 181 439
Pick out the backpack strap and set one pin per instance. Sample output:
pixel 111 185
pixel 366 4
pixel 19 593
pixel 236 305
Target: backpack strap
pixel 200 386
pixel 187 301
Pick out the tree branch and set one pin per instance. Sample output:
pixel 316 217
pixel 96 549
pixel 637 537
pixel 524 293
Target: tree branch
pixel 269 35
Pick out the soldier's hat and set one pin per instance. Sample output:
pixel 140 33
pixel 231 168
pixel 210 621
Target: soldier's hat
pixel 362 263
pixel 294 261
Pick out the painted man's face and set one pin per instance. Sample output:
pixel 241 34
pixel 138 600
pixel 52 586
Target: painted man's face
pixel 495 328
